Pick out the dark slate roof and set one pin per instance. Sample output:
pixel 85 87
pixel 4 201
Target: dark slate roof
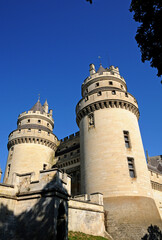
pixel 155 163
pixel 37 107
pixel 101 70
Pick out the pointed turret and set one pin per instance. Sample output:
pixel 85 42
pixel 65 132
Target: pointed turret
pixel 0 173
pixel 37 107
pixel 45 106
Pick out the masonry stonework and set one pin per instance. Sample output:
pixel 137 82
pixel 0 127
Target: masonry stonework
pixel 95 181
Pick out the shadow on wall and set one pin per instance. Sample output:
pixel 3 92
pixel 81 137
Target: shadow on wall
pixel 46 219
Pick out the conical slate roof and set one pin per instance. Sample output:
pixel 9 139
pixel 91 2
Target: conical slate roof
pixel 101 70
pixel 37 107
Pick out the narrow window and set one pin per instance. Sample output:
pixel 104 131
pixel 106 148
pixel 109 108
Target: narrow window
pixel 28 120
pixel 121 86
pixel 29 129
pixel 86 98
pixel 126 94
pixel 39 121
pixel 110 83
pixel 39 130
pixel 44 166
pixel 48 133
pixel 113 92
pixel 91 120
pixel 8 170
pixel 19 130
pixel 97 84
pixel 86 90
pixel 71 153
pixel 47 124
pixel 99 93
pixel 126 139
pixel 65 156
pixel 131 167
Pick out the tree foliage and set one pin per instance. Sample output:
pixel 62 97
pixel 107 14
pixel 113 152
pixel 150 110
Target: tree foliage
pixel 89 1
pixel 149 34
pixel 154 233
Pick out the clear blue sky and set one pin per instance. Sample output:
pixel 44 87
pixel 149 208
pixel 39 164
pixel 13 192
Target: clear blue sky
pixel 46 47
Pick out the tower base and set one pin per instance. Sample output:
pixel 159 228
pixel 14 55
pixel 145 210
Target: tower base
pixel 127 218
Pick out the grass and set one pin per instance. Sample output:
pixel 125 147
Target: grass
pixel 82 236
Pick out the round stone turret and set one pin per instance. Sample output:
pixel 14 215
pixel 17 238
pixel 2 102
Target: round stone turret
pixel 32 145
pixel 112 156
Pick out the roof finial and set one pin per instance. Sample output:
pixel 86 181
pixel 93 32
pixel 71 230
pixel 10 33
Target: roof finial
pixel 39 97
pixel 99 57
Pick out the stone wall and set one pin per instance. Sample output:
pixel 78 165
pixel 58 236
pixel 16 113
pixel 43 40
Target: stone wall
pixel 86 214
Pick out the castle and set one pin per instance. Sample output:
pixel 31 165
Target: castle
pixel 103 167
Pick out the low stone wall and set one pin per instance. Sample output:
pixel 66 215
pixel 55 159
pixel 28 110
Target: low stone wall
pixel 86 214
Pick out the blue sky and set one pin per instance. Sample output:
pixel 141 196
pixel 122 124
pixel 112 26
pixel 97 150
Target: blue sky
pixel 46 47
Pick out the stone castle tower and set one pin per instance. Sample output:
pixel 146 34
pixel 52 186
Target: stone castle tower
pixel 32 145
pixel 112 156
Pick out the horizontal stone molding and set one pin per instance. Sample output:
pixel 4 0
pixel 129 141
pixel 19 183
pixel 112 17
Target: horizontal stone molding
pixel 26 116
pixel 36 140
pixel 114 103
pixel 101 78
pixel 68 163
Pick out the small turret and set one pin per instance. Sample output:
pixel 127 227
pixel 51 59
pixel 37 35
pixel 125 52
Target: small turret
pixel 45 106
pixel 0 173
pixel 92 69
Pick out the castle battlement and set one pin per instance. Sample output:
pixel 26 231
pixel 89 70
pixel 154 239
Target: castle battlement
pixel 27 113
pixel 70 137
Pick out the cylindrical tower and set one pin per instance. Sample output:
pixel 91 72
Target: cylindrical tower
pixel 32 145
pixel 112 155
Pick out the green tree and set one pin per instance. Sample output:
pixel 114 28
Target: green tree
pixel 149 34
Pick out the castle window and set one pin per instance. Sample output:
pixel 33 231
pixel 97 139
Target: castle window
pixel 39 121
pixel 131 167
pixel 113 92
pixel 47 124
pixel 126 94
pixel 126 139
pixel 91 120
pixel 99 93
pixel 97 84
pixel 86 98
pixel 122 86
pixel 28 120
pixel 29 129
pixel 19 130
pixel 39 130
pixel 44 166
pixel 110 83
pixel 48 133
pixel 8 170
